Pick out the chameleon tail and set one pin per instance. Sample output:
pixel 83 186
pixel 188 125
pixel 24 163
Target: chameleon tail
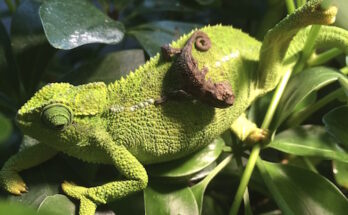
pixel 328 37
pixel 277 40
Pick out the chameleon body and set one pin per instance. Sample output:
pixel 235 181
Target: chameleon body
pixel 120 124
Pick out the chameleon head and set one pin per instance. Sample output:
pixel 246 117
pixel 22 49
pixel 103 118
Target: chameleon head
pixel 49 114
pixel 47 111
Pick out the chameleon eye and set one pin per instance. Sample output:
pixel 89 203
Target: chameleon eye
pixel 56 116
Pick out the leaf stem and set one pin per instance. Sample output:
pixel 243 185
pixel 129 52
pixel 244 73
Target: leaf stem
pixel 290 5
pixel 324 57
pixel 10 6
pixel 245 179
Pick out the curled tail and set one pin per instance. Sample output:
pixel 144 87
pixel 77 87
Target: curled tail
pixel 277 40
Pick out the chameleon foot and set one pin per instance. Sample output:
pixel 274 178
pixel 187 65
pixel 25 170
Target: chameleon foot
pixel 258 135
pixel 87 206
pixel 73 190
pixel 12 182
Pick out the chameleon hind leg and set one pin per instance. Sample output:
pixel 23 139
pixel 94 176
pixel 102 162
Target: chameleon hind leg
pixel 135 176
pixel 248 131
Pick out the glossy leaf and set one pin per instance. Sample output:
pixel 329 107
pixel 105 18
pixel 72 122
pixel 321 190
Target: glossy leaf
pixel 199 189
pixel 30 46
pixel 305 192
pixel 336 123
pixel 340 170
pixel 72 23
pixel 16 209
pixel 5 128
pixel 169 199
pixel 299 87
pixel 58 205
pixel 155 34
pixel 108 68
pixel 189 165
pixel 309 141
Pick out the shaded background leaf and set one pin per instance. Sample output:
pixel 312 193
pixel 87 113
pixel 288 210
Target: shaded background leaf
pixel 155 34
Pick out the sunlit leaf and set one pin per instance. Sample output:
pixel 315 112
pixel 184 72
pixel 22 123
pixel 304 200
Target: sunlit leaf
pixel 309 141
pixel 306 192
pixel 189 165
pixel 169 199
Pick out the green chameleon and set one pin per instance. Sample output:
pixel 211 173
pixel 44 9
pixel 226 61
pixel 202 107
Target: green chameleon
pixel 138 120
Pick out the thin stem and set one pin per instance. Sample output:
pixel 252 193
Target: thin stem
pixel 247 207
pixel 308 48
pixel 290 5
pixel 275 100
pixel 299 117
pixel 245 179
pixel 10 5
pixel 324 57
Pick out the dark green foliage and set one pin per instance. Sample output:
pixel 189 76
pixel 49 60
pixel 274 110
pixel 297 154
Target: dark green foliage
pixel 310 170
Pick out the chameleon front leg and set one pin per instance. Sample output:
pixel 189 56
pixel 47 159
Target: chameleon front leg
pixel 125 163
pixel 24 159
pixel 248 131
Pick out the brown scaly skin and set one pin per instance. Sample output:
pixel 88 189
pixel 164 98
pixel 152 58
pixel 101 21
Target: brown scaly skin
pixel 219 94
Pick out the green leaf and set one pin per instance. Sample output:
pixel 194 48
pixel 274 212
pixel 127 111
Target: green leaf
pixel 169 199
pixel 309 140
pixel 299 87
pixel 57 205
pixel 340 170
pixel 199 189
pixel 189 165
pixel 344 84
pixel 30 46
pixel 107 68
pixel 9 82
pixel 305 192
pixel 72 23
pixel 5 128
pixel 13 208
pixel 336 124
pixel 155 34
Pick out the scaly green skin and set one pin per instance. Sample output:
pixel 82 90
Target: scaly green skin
pixel 119 124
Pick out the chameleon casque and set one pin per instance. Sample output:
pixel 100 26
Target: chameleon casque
pixel 137 120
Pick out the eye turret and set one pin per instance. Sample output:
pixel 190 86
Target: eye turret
pixel 56 116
